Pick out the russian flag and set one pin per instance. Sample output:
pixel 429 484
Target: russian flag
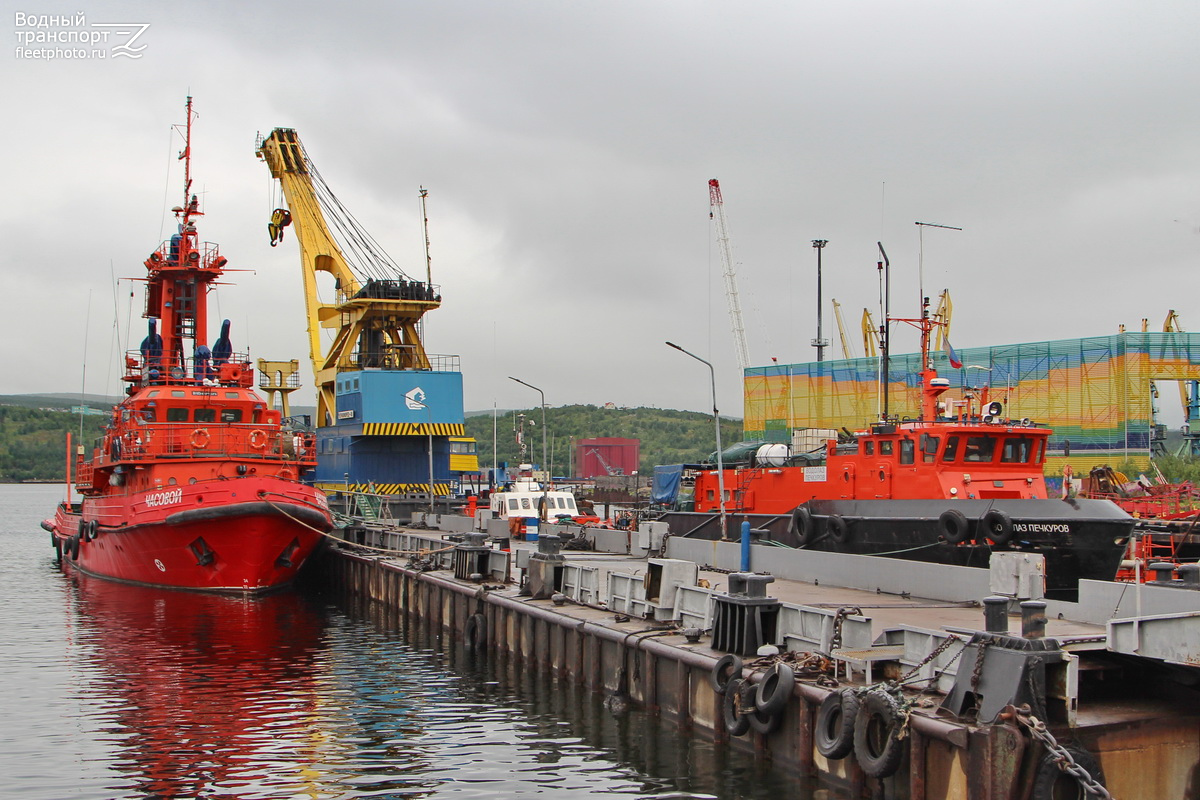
pixel 955 361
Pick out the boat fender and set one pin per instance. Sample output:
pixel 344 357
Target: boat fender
pixel 954 526
pixel 200 438
pixel 727 669
pixel 775 689
pixel 838 528
pixel 835 724
pixel 877 743
pixel 475 632
pixel 764 723
pixel 801 525
pixel 258 439
pixel 997 526
pixel 58 550
pixel 73 547
pixel 1052 780
pixel 92 529
pixel 738 697
pixel 81 531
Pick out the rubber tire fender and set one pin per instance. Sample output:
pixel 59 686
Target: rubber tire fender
pixel 764 723
pixel 736 698
pixel 1046 782
pixel 775 689
pixel 93 530
pixel 877 745
pixel 839 529
pixel 801 525
pixel 954 526
pixel 475 632
pixel 835 724
pixel 73 547
pixel 727 669
pixel 58 548
pixel 997 526
pixel 81 531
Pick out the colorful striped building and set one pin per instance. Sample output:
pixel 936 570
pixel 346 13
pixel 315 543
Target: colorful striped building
pixel 1095 393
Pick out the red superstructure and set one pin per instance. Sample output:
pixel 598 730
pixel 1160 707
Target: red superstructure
pixel 195 483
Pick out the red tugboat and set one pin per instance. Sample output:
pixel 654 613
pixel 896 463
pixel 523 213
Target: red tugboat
pixel 950 487
pixel 195 483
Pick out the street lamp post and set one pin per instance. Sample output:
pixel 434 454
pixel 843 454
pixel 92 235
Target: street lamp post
pixel 545 464
pixel 717 422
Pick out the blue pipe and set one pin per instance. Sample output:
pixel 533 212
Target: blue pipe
pixel 746 546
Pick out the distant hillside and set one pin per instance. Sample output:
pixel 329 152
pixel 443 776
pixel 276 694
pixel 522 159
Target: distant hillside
pixel 58 400
pixel 33 441
pixel 667 437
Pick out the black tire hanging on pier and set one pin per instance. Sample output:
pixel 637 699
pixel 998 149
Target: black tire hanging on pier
pixel 877 743
pixel 954 526
pixel 997 526
pixel 775 689
pixel 1050 782
pixel 727 668
pixel 835 724
pixel 736 700
pixel 761 722
pixel 801 525
pixel 839 529
pixel 475 632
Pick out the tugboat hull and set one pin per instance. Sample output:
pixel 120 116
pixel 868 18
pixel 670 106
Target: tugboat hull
pixel 1079 539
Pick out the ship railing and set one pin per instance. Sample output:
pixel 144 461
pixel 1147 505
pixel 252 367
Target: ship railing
pixel 155 441
pixel 392 356
pixel 148 367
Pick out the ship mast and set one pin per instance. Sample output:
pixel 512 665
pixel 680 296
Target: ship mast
pixel 179 273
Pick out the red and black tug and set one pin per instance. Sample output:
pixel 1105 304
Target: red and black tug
pixel 195 483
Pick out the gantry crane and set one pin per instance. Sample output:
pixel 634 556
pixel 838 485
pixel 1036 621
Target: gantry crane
pixel 870 335
pixel 387 416
pixel 716 212
pixel 1189 398
pixel 941 315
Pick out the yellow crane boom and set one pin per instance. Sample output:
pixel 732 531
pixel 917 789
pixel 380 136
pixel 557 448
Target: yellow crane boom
pixel 376 317
pixel 841 326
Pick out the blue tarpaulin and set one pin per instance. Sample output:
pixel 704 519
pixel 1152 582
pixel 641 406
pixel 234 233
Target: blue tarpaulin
pixel 666 484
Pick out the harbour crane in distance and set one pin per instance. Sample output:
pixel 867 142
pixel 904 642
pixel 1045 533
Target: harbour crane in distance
pixel 870 335
pixel 716 212
pixel 1189 398
pixel 941 316
pixel 841 326
pixel 389 416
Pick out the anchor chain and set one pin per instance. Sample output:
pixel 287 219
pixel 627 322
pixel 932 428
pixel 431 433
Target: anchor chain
pixel 1062 756
pixel 835 641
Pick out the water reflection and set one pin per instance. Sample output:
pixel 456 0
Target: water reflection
pixel 286 696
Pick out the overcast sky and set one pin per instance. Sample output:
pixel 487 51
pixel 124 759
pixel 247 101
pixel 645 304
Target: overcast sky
pixel 567 146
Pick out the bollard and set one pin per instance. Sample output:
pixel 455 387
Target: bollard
pixel 1164 571
pixel 1190 575
pixel 995 614
pixel 1033 619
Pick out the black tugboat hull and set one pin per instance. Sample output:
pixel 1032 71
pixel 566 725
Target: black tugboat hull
pixel 1079 539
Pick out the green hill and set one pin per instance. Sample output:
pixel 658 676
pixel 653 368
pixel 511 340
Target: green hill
pixel 667 437
pixel 33 441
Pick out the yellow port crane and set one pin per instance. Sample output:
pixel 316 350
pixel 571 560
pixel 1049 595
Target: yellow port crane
pixel 376 318
pixel 841 326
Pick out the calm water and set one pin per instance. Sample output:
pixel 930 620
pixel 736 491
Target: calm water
pixel 118 692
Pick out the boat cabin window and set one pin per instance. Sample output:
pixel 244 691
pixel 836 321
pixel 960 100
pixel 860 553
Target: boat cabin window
pixel 885 447
pixel 512 504
pixel 177 415
pixel 231 415
pixel 1041 452
pixel 869 448
pixel 178 393
pixel 1017 450
pixel 906 451
pixel 929 447
pixel 951 451
pixel 231 395
pixel 205 415
pixel 525 503
pixel 979 448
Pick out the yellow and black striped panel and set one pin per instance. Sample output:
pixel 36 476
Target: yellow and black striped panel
pixel 413 429
pixel 439 489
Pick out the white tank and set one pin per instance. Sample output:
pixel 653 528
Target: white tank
pixel 772 455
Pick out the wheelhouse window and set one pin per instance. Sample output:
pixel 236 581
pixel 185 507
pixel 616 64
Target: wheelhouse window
pixel 1041 451
pixel 929 447
pixel 869 448
pixel 951 451
pixel 205 415
pixel 231 415
pixel 177 415
pixel 885 447
pixel 1017 450
pixel 906 451
pixel 512 504
pixel 979 448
